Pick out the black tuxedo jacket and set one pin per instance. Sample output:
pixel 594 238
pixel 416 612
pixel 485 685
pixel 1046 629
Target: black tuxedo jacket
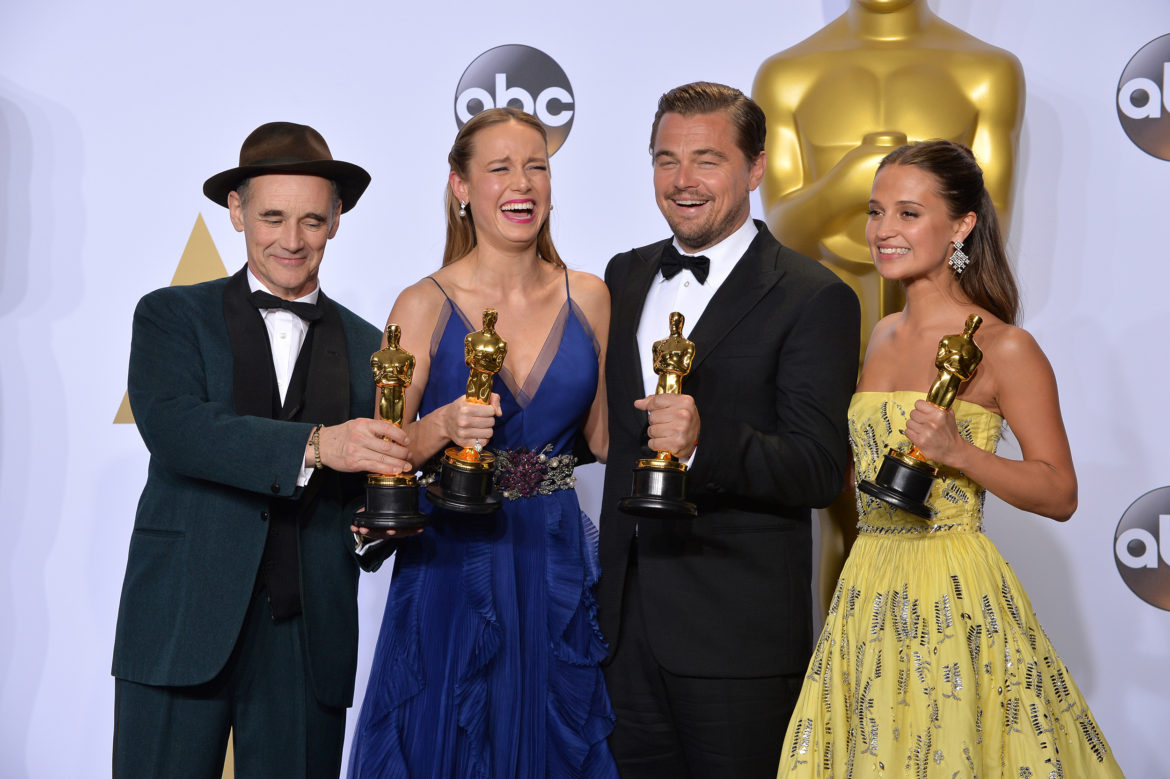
pixel 728 594
pixel 199 375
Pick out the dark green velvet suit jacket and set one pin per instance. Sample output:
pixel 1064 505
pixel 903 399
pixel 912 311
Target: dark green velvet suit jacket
pixel 202 519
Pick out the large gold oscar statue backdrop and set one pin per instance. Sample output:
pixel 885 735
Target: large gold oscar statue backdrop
pixel 883 73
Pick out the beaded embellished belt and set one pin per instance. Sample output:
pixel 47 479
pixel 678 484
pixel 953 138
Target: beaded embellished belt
pixel 522 473
pixel 890 530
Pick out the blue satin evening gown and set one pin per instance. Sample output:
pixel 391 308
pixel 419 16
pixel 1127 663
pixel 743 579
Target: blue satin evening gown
pixel 487 664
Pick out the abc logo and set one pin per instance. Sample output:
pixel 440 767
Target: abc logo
pixel 1143 98
pixel 524 78
pixel 1141 547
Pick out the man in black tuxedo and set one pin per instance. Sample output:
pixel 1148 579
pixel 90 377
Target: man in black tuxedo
pixel 709 618
pixel 253 395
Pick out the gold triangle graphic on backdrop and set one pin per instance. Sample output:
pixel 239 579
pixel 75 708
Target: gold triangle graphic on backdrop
pixel 124 415
pixel 200 262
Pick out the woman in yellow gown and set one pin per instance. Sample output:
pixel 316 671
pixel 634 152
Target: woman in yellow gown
pixel 932 662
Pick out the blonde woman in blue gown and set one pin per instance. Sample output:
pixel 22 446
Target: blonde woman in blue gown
pixel 488 659
pixel 932 662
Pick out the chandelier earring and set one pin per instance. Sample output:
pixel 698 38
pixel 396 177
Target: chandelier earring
pixel 959 259
pixel 462 208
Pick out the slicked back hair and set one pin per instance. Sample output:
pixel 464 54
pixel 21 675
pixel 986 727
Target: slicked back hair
pixel 705 97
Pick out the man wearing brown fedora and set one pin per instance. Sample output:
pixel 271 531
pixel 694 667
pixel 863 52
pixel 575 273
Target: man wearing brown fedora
pixel 253 395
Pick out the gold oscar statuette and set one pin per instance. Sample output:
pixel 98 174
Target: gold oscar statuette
pixel 465 481
pixel 882 74
pixel 392 499
pixel 659 486
pixel 906 478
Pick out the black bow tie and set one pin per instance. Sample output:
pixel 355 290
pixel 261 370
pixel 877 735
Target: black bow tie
pixel 673 262
pixel 306 311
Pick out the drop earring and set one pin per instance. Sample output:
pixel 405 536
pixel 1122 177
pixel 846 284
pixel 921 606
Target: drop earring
pixel 462 208
pixel 959 259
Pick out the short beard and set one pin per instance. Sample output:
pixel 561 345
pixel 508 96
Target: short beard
pixel 697 237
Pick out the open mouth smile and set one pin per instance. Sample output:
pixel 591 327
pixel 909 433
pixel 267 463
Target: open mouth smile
pixel 519 210
pixel 688 204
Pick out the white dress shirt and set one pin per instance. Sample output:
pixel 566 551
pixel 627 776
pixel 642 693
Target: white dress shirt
pixel 286 334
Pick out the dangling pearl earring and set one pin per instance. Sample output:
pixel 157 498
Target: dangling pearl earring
pixel 462 208
pixel 959 259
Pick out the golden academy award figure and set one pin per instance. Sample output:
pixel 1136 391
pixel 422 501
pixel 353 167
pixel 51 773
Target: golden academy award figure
pixel 905 478
pixel 659 488
pixel 465 481
pixel 392 499
pixel 883 73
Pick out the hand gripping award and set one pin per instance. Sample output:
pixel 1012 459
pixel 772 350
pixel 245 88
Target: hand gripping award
pixel 392 499
pixel 905 478
pixel 659 487
pixel 465 480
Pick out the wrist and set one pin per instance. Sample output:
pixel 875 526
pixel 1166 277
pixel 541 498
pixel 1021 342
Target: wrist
pixel 315 446
pixel 447 424
pixel 964 456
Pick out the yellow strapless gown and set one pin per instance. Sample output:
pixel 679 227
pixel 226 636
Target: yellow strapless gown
pixel 932 662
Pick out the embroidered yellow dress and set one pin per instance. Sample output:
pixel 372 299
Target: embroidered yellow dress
pixel 931 662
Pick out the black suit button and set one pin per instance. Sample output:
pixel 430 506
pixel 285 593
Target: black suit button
pixel 264 516
pixel 276 487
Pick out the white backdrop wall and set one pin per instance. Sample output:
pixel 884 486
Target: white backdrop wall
pixel 113 114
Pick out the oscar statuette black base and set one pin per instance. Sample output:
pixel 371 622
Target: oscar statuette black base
pixel 391 504
pixel 465 487
pixel 659 490
pixel 903 482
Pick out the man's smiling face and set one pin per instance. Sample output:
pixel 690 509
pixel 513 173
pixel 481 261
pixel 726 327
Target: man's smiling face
pixel 702 181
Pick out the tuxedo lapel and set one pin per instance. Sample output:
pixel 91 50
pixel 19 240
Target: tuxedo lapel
pixel 327 385
pixel 253 378
pixel 294 396
pixel 627 314
pixel 321 380
pixel 756 273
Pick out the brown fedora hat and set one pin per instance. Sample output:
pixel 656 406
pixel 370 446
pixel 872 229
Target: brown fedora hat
pixel 284 147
